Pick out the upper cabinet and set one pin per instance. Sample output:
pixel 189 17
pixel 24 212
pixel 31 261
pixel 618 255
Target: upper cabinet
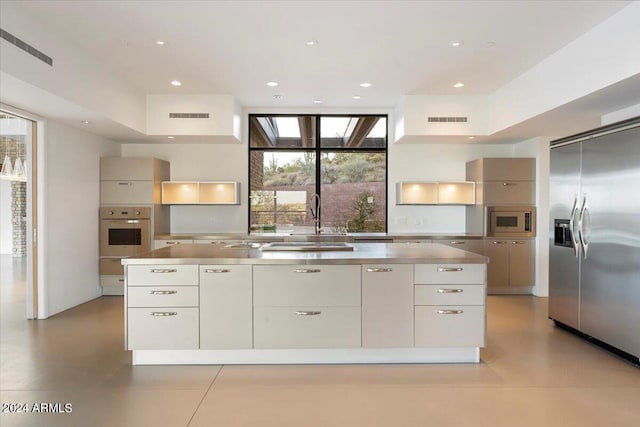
pixel 504 180
pixel 131 180
pixel 216 117
pixel 435 193
pixel 200 193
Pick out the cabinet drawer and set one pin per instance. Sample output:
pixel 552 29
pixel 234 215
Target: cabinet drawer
pixel 306 327
pixel 313 285
pixel 111 267
pixel 449 295
pixel 157 244
pixel 126 192
pixel 515 192
pixel 112 281
pixel 162 275
pixel 449 326
pixel 162 296
pixel 438 274
pixel 167 328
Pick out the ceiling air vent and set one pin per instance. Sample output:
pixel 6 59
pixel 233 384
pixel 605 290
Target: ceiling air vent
pixel 26 47
pixel 448 119
pixel 188 115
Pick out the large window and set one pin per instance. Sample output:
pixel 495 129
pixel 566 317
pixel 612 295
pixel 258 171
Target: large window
pixel 343 159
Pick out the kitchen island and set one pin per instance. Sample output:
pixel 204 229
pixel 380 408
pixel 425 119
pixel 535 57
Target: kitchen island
pixel 244 304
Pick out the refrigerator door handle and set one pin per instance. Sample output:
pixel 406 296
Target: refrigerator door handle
pixel 574 241
pixel 581 232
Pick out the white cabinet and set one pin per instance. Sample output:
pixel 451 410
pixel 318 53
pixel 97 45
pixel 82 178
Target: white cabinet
pixel 163 243
pixel 162 275
pixel 201 193
pixel 449 305
pixel 162 307
pixel 306 285
pixel 435 193
pixel 450 326
pixel 511 262
pixel 306 306
pixel 226 306
pixel 387 305
pixel 449 274
pixel 162 328
pixel 306 327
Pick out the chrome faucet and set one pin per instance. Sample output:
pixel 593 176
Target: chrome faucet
pixel 315 214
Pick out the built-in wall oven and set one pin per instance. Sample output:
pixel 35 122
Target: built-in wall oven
pixel 511 221
pixel 124 231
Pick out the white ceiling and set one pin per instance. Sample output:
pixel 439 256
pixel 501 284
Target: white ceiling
pixel 401 47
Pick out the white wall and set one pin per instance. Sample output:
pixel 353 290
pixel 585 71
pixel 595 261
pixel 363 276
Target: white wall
pixel 432 162
pixel 71 201
pixel 6 229
pixel 202 162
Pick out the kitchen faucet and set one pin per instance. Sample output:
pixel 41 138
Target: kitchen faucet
pixel 316 214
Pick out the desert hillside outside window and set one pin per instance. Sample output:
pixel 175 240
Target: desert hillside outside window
pixel 341 158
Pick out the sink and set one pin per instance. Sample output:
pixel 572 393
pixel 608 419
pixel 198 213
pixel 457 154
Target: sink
pixel 307 246
pixel 316 238
pixel 243 245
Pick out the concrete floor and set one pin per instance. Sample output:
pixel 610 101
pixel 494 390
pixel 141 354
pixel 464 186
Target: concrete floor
pixel 531 374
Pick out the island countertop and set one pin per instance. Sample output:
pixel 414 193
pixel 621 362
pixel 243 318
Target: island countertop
pixel 363 253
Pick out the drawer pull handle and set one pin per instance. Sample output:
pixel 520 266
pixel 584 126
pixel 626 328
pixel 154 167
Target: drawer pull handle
pixel 164 270
pixel 450 291
pixel 449 269
pixel 379 270
pixel 508 184
pixel 449 311
pixel 307 270
pixel 307 313
pixel 164 292
pixel 499 242
pixel 164 313
pixel 173 243
pixel 518 243
pixel 121 280
pixel 217 270
pixel 132 221
pixel 125 183
pixel 457 243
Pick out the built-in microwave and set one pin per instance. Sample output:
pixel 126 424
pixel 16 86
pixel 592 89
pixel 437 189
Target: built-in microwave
pixel 514 221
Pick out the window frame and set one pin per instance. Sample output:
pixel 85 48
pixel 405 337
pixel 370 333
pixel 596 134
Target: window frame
pixel 318 150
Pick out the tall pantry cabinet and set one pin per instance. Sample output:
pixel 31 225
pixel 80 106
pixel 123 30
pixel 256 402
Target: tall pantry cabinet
pixel 129 186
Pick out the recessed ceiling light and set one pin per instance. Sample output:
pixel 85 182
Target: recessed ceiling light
pixel 311 42
pixel 459 84
pixel 86 122
pixel 317 101
pixel 365 84
pixel 456 43
pixel 272 84
pixel 160 42
pixel 356 97
pixel 176 83
pixel 491 44
pixel 171 137
pixel 277 96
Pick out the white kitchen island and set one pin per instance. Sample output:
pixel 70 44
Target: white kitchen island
pixel 380 303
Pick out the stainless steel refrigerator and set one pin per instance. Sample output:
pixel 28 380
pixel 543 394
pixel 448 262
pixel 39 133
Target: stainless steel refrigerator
pixel 594 253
